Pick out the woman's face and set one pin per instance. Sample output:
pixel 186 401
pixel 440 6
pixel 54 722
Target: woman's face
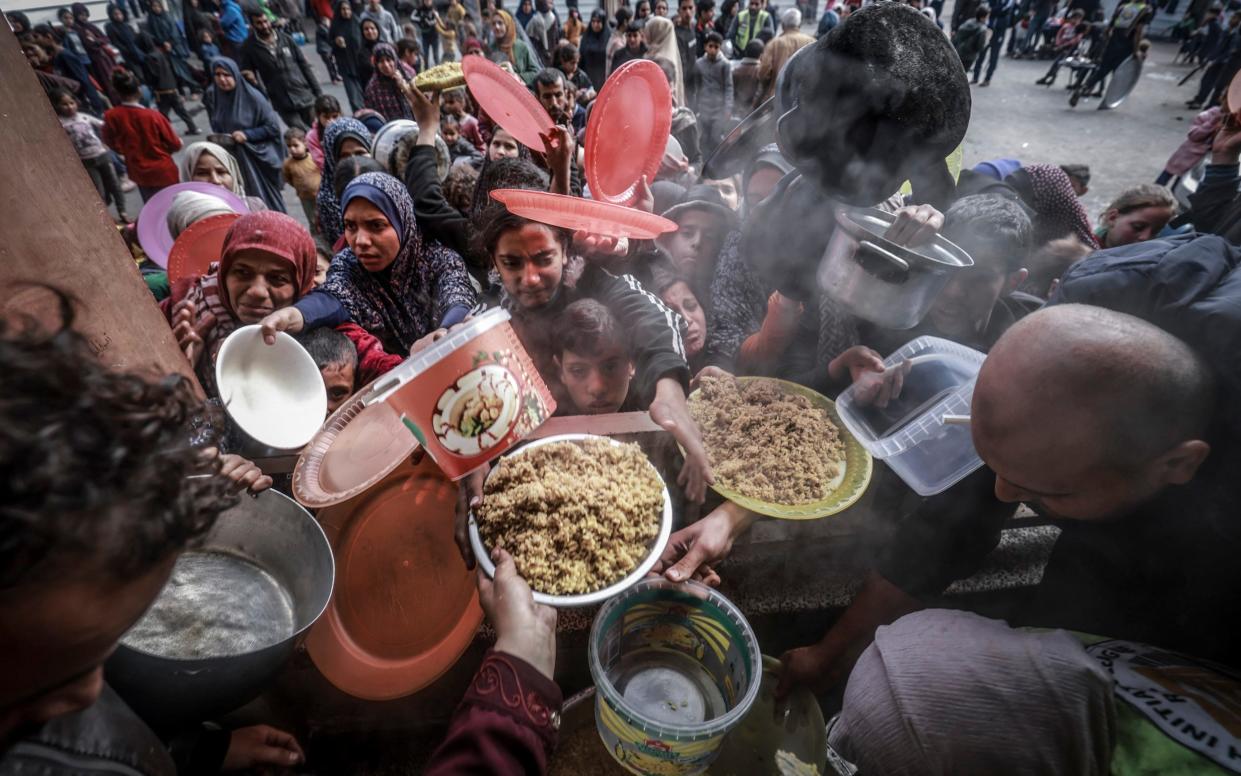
pixel 527 6
pixel 1135 226
pixel 386 67
pixel 502 146
pixel 351 146
pixel 370 235
pixel 346 11
pixel 643 10
pixel 66 18
pixel 224 80
pixel 684 303
pixel 116 15
pixel 498 27
pixel 370 31
pixel 596 25
pixel 208 169
pixel 530 261
pixel 258 284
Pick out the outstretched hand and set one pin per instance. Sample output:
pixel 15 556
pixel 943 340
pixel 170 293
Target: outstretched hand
pixel 693 550
pixel 524 629
pixel 670 410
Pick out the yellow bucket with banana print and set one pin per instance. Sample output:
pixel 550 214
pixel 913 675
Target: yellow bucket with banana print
pixel 676 666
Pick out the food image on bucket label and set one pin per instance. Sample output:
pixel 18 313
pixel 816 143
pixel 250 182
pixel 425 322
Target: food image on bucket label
pixel 477 411
pixel 675 668
pixel 470 396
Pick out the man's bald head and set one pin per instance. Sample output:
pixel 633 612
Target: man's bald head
pixel 1074 394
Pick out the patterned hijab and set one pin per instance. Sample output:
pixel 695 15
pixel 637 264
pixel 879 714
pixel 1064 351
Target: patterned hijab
pixel 1058 211
pixel 275 234
pixel 329 208
pixel 405 301
pixel 382 92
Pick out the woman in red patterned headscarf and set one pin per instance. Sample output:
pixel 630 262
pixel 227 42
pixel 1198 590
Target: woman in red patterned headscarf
pixel 268 263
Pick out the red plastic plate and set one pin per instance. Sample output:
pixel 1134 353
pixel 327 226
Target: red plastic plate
pixel 198 246
pixel 507 101
pixel 627 131
pixel 587 215
pixel 404 607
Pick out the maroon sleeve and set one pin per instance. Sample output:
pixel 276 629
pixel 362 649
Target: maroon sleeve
pixel 506 723
pixel 373 360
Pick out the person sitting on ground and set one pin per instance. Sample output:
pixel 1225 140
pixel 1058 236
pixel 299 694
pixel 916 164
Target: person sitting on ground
pixel 390 280
pixel 1068 40
pixel 593 361
pixel 143 136
pixel 344 137
pixel 267 263
pixel 1137 215
pixel 337 360
pixel 90 542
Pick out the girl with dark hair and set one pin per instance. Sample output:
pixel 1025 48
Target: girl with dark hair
pixel 390 83
pixel 343 137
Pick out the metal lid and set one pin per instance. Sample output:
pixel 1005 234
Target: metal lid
pixel 872 224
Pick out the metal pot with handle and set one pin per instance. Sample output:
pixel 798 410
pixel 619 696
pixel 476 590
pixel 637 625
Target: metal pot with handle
pixel 874 278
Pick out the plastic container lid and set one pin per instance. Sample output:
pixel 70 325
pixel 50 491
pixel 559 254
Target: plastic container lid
pixel 910 432
pixel 415 365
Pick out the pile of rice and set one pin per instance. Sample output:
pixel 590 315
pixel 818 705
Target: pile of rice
pixel 576 517
pixel 766 443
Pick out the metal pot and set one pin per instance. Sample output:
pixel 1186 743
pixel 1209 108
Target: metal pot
pixel 275 533
pixel 874 278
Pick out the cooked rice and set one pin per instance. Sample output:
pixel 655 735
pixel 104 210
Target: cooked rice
pixel 766 443
pixel 576 517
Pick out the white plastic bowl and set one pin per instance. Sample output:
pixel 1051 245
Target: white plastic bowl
pixel 274 392
pixel 483 556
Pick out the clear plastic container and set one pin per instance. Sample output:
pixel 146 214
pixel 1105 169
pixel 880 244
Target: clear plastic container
pixel 911 434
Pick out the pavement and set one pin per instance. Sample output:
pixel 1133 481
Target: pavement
pixel 1014 117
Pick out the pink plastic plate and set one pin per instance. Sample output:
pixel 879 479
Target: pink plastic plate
pixel 587 215
pixel 153 234
pixel 627 131
pixel 507 101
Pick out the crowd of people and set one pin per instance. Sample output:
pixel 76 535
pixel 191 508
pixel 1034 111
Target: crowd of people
pixel 1106 401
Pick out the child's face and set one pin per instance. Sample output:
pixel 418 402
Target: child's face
pixel 569 66
pixel 338 382
pixel 325 119
pixel 633 39
pixel 449 133
pixel 597 383
pixel 297 147
pixel 322 262
pixel 205 36
pixel 66 106
pixel 713 50
pixel 454 104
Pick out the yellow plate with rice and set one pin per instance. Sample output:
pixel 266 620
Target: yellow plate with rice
pixel 843 490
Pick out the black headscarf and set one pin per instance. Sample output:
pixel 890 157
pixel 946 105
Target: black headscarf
pixel 351 31
pixel 593 48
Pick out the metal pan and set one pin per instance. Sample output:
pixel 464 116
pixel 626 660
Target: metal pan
pixel 1124 79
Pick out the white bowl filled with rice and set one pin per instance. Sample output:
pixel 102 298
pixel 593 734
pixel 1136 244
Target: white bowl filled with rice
pixel 584 517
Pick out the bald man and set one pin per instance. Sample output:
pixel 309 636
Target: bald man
pixel 1099 421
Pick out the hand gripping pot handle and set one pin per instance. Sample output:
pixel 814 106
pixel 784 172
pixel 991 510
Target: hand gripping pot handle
pixel 890 267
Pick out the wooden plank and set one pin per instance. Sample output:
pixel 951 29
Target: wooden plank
pixel 57 231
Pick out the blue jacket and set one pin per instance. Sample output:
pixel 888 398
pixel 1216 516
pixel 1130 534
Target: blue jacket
pixel 233 22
